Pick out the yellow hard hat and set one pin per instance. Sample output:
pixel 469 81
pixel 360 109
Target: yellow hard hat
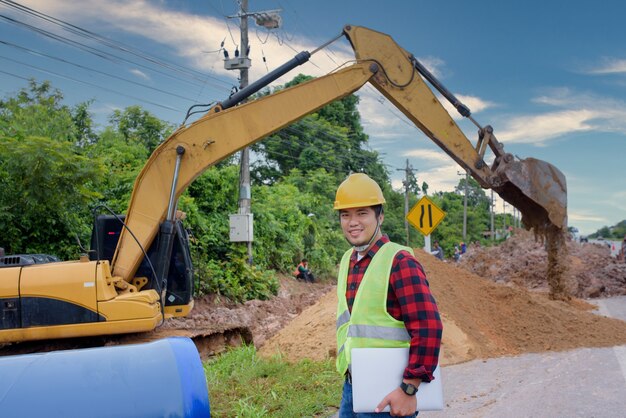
pixel 358 191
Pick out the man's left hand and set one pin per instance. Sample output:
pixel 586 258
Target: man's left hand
pixel 400 404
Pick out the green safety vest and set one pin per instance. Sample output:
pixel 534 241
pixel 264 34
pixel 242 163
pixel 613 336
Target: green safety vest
pixel 369 325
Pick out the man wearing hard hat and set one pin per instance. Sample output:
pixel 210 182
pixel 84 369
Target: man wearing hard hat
pixel 394 307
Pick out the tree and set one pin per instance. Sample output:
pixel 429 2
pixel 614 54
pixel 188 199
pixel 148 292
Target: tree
pixel 38 111
pixel 476 196
pixel 331 138
pixel 122 161
pixel 83 124
pixel 47 189
pixel 138 125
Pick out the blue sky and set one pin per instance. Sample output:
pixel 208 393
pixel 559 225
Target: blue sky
pixel 549 76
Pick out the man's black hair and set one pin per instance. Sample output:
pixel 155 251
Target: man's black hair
pixel 378 209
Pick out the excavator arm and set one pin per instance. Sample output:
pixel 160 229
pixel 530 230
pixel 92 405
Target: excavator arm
pixel 227 128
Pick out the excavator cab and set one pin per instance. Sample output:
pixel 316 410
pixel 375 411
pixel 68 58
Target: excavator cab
pixel 179 280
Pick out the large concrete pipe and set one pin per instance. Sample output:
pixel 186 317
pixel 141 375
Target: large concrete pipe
pixel 162 378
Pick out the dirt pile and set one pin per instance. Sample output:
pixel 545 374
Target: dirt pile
pixel 255 320
pixel 590 270
pixel 482 319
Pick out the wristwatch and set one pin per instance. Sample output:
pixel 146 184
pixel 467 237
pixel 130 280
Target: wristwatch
pixel 408 388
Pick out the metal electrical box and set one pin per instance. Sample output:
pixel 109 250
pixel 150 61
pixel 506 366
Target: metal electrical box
pixel 237 63
pixel 241 229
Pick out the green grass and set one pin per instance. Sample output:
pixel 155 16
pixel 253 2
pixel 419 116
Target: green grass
pixel 244 385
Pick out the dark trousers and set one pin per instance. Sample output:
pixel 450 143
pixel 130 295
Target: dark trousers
pixel 307 277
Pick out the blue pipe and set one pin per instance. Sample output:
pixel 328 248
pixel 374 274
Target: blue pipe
pixel 163 378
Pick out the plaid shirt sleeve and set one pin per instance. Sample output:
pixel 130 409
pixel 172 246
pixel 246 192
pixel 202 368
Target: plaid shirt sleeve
pixel 410 300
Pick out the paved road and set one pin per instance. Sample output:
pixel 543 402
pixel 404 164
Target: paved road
pixel 587 382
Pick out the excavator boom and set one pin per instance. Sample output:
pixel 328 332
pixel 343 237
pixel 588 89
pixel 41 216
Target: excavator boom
pixel 537 188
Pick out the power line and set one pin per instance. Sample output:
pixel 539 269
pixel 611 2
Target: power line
pixel 302 24
pixel 97 52
pixel 14 75
pixel 85 33
pixel 42 54
pixel 43 70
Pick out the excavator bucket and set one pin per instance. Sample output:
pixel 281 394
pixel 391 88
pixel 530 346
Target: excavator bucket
pixel 538 189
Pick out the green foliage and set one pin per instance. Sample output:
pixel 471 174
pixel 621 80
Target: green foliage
pixel 294 222
pixel 450 230
pixel 241 384
pixel 38 112
pixel 137 125
pixel 331 138
pixel 617 231
pixel 123 161
pixel 234 278
pixel 46 191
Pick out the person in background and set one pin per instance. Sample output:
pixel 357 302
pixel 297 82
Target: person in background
pixel 457 253
pixel 624 249
pixel 383 299
pixel 437 251
pixel 303 272
pixel 463 248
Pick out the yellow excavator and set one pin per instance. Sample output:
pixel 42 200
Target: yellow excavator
pixel 141 274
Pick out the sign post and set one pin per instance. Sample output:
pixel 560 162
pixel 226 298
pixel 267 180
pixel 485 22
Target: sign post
pixel 425 216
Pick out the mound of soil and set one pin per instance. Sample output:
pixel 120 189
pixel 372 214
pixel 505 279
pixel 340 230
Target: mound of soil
pixel 216 322
pixel 482 319
pixel 591 272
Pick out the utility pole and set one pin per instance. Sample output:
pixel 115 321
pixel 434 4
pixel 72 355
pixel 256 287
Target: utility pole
pixel 244 171
pixel 464 205
pixel 241 225
pixel 492 206
pixel 504 216
pixel 408 172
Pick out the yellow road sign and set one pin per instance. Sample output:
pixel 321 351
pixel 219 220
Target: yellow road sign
pixel 425 216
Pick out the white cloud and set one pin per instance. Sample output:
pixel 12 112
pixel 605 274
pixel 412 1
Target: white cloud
pixel 475 104
pixel 190 36
pixel 442 178
pixel 427 154
pixel 537 129
pixel 610 66
pixel 584 217
pixel 377 118
pixel 575 112
pixel 140 74
pixel 433 64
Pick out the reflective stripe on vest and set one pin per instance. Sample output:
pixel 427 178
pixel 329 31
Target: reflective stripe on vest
pixel 343 318
pixel 372 331
pixel 369 325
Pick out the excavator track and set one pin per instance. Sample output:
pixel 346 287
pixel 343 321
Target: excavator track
pixel 208 341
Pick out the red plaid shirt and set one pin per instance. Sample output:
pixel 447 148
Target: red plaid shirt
pixel 409 300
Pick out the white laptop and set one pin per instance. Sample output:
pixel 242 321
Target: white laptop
pixel 378 371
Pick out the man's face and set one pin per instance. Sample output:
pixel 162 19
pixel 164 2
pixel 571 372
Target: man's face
pixel 358 224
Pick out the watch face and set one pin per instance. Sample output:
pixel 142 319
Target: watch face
pixel 409 389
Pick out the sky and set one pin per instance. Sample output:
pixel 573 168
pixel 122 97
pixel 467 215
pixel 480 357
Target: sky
pixel 549 76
